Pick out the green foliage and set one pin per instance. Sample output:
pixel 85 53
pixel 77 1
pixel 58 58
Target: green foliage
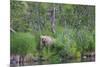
pixel 66 43
pixel 75 42
pixel 23 43
pixel 85 40
pixel 74 26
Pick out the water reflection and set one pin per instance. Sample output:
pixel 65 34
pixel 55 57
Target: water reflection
pixel 75 60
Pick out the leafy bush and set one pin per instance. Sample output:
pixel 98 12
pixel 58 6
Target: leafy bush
pixel 22 43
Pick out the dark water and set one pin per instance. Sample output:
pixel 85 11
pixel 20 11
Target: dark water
pixel 43 62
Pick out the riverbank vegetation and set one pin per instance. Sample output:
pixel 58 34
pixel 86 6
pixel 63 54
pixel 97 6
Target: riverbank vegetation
pixel 72 26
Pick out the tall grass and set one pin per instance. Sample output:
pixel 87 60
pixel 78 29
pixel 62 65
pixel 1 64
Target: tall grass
pixel 71 43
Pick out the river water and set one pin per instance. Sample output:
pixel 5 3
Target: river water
pixel 78 60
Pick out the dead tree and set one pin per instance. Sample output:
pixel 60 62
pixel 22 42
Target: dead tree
pixel 52 19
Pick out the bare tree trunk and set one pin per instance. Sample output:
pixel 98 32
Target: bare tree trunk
pixel 53 20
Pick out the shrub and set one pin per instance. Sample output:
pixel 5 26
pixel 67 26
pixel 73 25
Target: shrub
pixel 22 43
